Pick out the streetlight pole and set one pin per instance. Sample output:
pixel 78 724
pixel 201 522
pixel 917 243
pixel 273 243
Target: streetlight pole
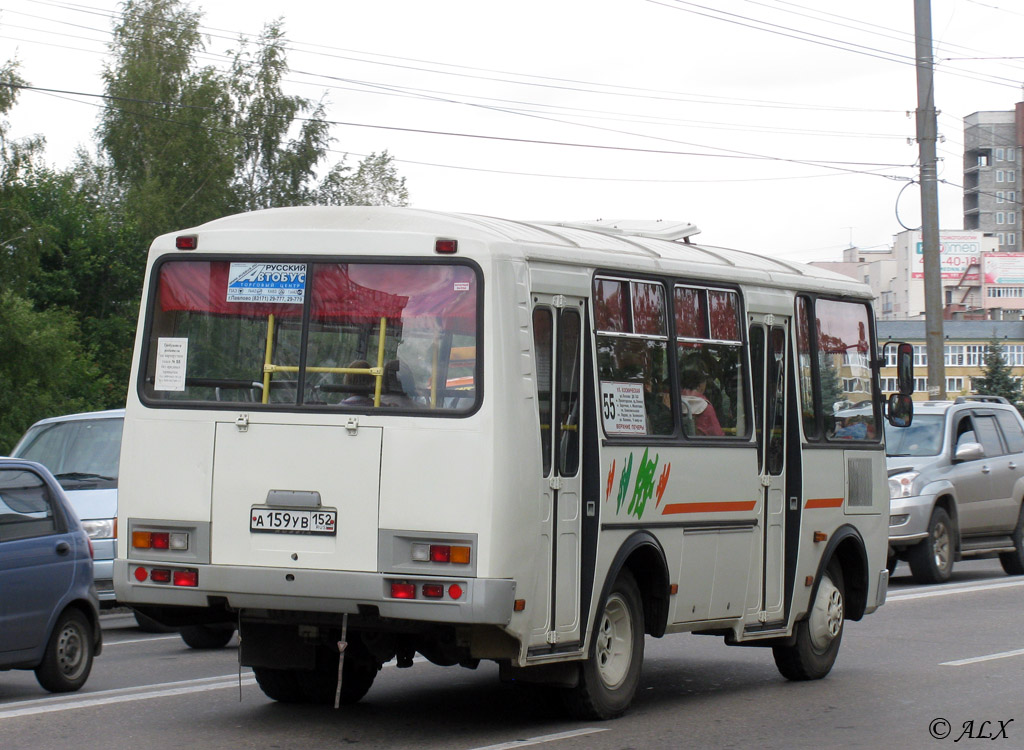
pixel 926 138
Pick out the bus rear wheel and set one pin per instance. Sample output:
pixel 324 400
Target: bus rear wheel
pixel 609 677
pixel 818 635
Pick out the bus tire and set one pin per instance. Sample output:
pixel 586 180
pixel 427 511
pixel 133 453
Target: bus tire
pixel 819 634
pixel 207 636
pixel 610 675
pixel 358 674
pixel 931 559
pixel 282 685
pixel 1013 562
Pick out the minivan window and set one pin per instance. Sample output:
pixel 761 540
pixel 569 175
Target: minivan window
pixel 81 453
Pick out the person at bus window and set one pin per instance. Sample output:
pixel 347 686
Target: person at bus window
pixel 361 385
pixel 693 381
pixel 392 391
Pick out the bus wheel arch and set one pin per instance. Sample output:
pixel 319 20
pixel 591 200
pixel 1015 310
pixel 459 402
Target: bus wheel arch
pixel 633 601
pixel 644 557
pixel 847 547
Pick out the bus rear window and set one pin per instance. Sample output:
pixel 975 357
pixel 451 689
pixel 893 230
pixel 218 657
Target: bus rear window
pixel 314 335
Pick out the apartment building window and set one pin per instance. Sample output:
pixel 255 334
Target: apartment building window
pixel 953 355
pixel 1011 217
pixel 1000 154
pixel 1010 155
pixel 1000 175
pixel 1006 291
pixel 1000 196
pixel 982 160
pixel 1013 355
pixel 975 355
pixel 1011 239
pixel 1011 175
pixel 1011 196
pixel 920 355
pixel 921 385
pixel 1000 217
pixel 1001 237
pixel 954 385
pixel 889 385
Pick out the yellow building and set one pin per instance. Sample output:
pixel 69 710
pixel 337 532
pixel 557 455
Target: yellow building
pixel 965 344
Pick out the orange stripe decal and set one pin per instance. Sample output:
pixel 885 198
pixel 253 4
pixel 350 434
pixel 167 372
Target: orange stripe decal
pixel 723 507
pixel 825 502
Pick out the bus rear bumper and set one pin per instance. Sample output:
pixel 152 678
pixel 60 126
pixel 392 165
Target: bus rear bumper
pixel 482 601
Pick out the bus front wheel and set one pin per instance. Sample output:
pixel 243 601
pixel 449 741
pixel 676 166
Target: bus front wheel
pixel 609 676
pixel 818 635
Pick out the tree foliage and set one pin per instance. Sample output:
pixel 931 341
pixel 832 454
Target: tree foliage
pixel 178 144
pixel 998 379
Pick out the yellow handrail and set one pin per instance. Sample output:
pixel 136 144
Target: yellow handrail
pixel 266 359
pixel 377 372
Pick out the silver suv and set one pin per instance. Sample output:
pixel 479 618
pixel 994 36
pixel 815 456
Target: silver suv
pixel 956 480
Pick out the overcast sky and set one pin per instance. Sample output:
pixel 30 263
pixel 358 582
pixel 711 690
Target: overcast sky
pixel 777 127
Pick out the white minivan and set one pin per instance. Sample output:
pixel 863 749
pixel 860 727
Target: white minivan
pixel 82 451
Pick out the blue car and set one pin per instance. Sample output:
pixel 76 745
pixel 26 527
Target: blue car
pixel 49 610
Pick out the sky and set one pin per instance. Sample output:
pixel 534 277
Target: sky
pixel 779 127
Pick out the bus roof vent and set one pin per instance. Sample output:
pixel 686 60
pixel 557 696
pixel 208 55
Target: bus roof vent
pixel 657 229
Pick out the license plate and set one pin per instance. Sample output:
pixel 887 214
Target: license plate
pixel 293 521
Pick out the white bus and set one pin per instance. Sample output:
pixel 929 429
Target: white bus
pixel 356 434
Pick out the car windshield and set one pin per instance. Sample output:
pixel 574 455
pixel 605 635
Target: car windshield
pixel 81 453
pixel 922 438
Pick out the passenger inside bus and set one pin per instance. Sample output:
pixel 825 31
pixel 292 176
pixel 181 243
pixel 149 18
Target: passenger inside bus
pixel 697 409
pixel 361 385
pixel 392 391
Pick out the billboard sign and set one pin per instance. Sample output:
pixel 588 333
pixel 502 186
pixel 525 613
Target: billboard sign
pixel 959 253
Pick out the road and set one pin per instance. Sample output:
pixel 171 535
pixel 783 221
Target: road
pixel 935 660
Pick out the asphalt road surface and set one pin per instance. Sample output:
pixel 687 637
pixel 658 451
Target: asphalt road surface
pixel 935 665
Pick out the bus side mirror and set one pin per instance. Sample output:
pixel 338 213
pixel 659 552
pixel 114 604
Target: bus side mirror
pixel 905 369
pixel 900 410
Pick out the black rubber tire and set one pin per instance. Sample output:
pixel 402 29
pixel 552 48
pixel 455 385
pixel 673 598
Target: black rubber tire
pixel 818 635
pixel 359 672
pixel 610 675
pixel 282 685
pixel 931 559
pixel 67 660
pixel 1013 562
pixel 318 686
pixel 207 636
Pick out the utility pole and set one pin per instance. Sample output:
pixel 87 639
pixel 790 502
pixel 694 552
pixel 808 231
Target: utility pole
pixel 926 137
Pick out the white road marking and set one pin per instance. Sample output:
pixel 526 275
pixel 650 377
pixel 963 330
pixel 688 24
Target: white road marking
pixel 542 739
pixel 107 643
pixel 950 589
pixel 123 695
pixel 989 657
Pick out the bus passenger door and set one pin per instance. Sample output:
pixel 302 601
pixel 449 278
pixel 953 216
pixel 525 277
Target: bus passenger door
pixel 769 339
pixel 558 347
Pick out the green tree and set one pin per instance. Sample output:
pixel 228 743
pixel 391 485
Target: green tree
pixel 272 168
pixel 44 370
pixel 998 379
pixel 166 134
pixel 375 182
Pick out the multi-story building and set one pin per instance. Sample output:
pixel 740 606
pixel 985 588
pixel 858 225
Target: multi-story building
pixel 992 175
pixel 964 348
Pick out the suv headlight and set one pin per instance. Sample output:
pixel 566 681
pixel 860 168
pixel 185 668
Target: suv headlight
pixel 902 485
pixel 102 528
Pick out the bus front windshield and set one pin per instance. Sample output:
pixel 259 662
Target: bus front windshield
pixel 396 336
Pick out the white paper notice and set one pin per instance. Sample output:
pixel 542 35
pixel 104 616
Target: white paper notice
pixel 171 359
pixel 623 410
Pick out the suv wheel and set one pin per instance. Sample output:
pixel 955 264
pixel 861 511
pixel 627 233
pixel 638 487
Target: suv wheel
pixel 931 559
pixel 1013 562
